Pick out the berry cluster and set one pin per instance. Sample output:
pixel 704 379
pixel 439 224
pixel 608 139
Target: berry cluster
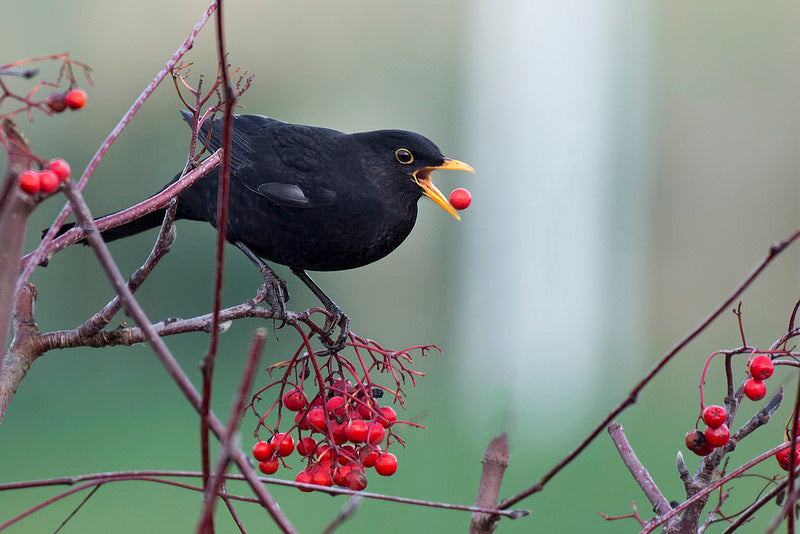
pixel 45 181
pixel 759 368
pixel 352 429
pixel 715 435
pixel 72 99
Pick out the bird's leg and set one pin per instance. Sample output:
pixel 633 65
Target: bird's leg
pixel 274 285
pixel 337 317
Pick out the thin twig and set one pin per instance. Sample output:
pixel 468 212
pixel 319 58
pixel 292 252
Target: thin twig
pixel 81 482
pixel 207 365
pixel 75 510
pixel 166 235
pixel 346 512
pixel 214 484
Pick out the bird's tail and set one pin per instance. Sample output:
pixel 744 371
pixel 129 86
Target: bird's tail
pixel 136 226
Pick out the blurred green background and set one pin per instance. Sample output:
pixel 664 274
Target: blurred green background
pixel 634 160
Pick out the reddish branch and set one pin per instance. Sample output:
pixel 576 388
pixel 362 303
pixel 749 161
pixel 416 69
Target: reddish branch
pixel 149 205
pixel 162 477
pixel 227 446
pixel 774 251
pixel 207 364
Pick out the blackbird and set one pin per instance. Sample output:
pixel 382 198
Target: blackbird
pixel 311 198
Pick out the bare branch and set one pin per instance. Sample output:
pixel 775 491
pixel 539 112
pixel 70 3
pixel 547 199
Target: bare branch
pixel 640 474
pixel 495 462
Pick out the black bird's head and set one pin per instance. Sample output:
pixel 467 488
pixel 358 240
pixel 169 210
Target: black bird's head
pixel 408 159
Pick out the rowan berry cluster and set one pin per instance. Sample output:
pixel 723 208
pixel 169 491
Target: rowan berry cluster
pixel 45 181
pixel 717 434
pixel 345 433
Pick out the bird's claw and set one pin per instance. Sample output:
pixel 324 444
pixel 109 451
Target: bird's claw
pixel 276 293
pixel 336 318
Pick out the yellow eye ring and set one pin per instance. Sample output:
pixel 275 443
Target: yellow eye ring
pixel 404 156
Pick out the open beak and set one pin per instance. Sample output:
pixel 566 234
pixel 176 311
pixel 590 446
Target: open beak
pixel 423 179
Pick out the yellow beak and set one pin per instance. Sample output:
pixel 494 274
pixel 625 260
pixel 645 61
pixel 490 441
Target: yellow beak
pixel 423 179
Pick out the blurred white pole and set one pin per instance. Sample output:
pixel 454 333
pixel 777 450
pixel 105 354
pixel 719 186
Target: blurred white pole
pixel 555 118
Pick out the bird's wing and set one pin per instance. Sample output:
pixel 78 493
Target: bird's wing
pixel 278 161
pixel 289 195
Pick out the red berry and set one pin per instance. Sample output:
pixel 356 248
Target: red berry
pixel 460 198
pixel 705 450
pixel 347 454
pixel 75 99
pixel 368 455
pixel 754 389
pixel 325 453
pixel 761 367
pixel 386 465
pixel 355 479
pixel 339 473
pixel 294 400
pixel 48 182
pixel 714 416
pixel 364 411
pixel 335 406
pixel 29 182
pixel 60 168
pixel 322 478
pixel 718 436
pixel 283 443
pixel 696 442
pixel 269 467
pixel 386 416
pixel 356 430
pixel 316 419
pixel 262 451
pixel 302 422
pixel 337 431
pixel 782 457
pixel 306 446
pixel 306 478
pixel 55 101
pixel 375 434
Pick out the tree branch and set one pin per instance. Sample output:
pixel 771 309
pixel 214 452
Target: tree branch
pixel 637 470
pixel 495 462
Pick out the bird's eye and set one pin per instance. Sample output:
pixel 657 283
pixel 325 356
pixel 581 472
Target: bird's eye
pixel 404 156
